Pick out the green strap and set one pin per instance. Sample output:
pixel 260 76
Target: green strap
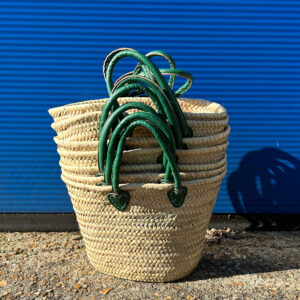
pixel 172 72
pixel 111 55
pixel 177 72
pixel 163 143
pixel 163 108
pixel 119 198
pixel 121 127
pixel 108 107
pixel 187 132
pixel 111 122
pixel 167 107
pixel 167 57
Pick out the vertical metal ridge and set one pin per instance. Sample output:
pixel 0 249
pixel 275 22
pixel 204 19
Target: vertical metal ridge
pixel 242 54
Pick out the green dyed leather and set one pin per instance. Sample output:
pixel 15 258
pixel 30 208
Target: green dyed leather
pixel 119 201
pixel 164 143
pixel 177 72
pixel 111 122
pixel 119 198
pixel 123 126
pixel 110 57
pixel 147 80
pixel 108 107
pixel 167 57
pixel 155 73
pixel 177 196
pixel 168 111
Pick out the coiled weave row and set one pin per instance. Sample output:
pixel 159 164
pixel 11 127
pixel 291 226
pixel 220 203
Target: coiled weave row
pixel 143 169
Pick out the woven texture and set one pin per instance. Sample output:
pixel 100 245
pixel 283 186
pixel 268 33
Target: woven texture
pixel 80 122
pixel 193 109
pixel 142 168
pixel 151 240
pixel 147 156
pixel 143 210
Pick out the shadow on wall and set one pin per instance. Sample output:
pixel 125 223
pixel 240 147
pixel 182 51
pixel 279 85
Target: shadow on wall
pixel 266 182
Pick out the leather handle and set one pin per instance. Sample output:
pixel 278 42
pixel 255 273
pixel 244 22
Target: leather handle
pixel 167 57
pixel 141 115
pixel 111 123
pixel 177 72
pixel 163 106
pixel 151 71
pixel 119 198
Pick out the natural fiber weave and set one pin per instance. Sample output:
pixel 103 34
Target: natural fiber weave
pixel 193 109
pixel 86 127
pixel 142 177
pixel 146 156
pixel 146 142
pixel 88 131
pixel 151 240
pixel 153 168
pixel 143 213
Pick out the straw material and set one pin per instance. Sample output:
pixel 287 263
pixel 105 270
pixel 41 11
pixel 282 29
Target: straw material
pixel 146 156
pixel 193 109
pixel 86 127
pixel 143 177
pixel 152 168
pixel 151 240
pixel 146 142
pixel 89 131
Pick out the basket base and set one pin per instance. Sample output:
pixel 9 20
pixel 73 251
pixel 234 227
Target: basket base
pixel 168 276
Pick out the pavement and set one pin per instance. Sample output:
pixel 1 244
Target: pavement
pixel 236 264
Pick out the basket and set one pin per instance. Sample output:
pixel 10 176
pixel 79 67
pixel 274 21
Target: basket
pixel 143 169
pixel 151 240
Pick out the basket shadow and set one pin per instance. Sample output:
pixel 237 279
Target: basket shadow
pixel 267 181
pixel 247 253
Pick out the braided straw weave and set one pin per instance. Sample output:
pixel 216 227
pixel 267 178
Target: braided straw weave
pixel 193 109
pixel 210 119
pixel 143 218
pixel 144 177
pixel 151 240
pixel 146 156
pixel 148 168
pixel 146 142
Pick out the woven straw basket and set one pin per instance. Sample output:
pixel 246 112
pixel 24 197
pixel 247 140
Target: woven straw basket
pixel 208 118
pixel 193 109
pixel 143 210
pixel 147 156
pixel 146 142
pixel 151 240
pixel 142 168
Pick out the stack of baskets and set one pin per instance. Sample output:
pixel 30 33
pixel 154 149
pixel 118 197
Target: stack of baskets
pixel 143 169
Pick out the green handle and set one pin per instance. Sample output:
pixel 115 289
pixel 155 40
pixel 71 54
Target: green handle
pixel 119 198
pixel 111 122
pixel 112 101
pixel 168 110
pixel 112 54
pixel 162 139
pixel 167 57
pixel 118 131
pixel 139 66
pixel 172 72
pixel 187 131
pixel 177 72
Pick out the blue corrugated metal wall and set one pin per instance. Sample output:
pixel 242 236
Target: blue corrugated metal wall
pixel 243 54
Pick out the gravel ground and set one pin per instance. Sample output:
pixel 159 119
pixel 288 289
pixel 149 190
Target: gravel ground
pixel 236 264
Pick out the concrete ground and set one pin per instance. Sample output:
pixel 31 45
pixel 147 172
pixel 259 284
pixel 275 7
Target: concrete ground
pixel 236 264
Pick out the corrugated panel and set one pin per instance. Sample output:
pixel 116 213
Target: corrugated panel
pixel 243 54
